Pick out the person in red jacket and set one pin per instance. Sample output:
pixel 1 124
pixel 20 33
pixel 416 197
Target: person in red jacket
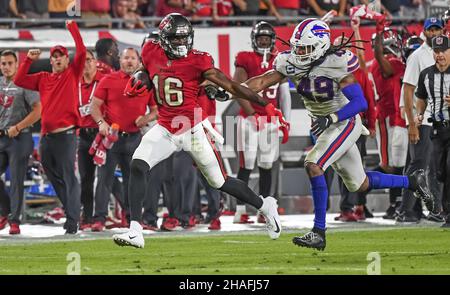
pixel 59 119
pixel 110 105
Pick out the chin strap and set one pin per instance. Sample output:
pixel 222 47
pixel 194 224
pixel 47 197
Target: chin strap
pixel 265 63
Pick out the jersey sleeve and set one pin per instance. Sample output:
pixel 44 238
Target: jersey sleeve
pixel 281 65
pixel 204 62
pixel 31 96
pixel 240 60
pixel 25 80
pixel 336 66
pixel 147 52
pixel 151 99
pixel 421 91
pixel 352 61
pixel 102 89
pixel 412 70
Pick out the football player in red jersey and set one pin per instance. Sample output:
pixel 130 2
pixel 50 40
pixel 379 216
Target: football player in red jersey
pixel 392 136
pixel 177 71
pixel 258 133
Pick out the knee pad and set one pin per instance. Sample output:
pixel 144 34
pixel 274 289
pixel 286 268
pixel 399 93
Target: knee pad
pixel 139 166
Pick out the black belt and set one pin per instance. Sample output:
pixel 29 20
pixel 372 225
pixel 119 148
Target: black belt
pixel 4 132
pixel 72 130
pixel 89 130
pixel 127 134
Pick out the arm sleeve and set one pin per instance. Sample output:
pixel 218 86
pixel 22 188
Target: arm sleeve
pixel 412 70
pixel 25 80
pixel 102 89
pixel 285 100
pixel 240 61
pixel 151 99
pixel 80 51
pixel 31 97
pixel 146 53
pixel 421 91
pixel 205 63
pixel 357 102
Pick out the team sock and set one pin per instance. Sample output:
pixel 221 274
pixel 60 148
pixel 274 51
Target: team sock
pixel 265 181
pixel 238 189
pixel 320 195
pixel 380 180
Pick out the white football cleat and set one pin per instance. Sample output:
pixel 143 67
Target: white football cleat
pixel 269 210
pixel 131 238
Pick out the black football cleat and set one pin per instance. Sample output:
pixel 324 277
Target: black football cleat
pixel 311 240
pixel 421 189
pixel 390 213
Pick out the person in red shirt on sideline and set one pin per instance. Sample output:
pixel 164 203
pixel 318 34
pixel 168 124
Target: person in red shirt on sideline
pixel 257 133
pixel 59 119
pixel 107 53
pixel 177 71
pixel 88 130
pixel 392 135
pixel 109 105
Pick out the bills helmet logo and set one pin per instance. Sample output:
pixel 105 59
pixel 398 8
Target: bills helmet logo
pixel 320 31
pixel 317 30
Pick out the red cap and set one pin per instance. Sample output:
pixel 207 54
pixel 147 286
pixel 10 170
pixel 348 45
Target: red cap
pixel 59 48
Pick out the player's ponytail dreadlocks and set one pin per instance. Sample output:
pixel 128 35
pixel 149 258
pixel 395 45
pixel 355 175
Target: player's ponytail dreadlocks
pixel 345 44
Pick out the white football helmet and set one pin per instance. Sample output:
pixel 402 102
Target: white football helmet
pixel 310 40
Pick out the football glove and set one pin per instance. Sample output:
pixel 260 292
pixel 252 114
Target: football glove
pixel 214 92
pixel 272 111
pixel 132 89
pixel 285 129
pixel 320 124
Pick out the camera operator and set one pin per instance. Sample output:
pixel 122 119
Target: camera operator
pixel 434 88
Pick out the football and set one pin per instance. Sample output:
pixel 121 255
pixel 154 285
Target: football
pixel 144 78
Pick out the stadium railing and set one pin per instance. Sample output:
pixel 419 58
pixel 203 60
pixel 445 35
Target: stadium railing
pixel 201 22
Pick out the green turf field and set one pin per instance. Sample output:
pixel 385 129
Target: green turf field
pixel 402 251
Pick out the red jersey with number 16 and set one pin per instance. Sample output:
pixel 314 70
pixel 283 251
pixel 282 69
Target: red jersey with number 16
pixel 176 84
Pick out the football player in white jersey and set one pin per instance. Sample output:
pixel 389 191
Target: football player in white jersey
pixel 334 100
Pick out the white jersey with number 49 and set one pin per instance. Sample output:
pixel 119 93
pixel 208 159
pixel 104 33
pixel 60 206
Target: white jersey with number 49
pixel 320 88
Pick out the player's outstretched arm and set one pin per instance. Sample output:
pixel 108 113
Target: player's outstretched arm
pixel 386 68
pixel 357 103
pixel 353 92
pixel 261 82
pixel 216 76
pixel 80 48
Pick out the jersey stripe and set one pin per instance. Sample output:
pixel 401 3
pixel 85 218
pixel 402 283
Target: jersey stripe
pixel 337 143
